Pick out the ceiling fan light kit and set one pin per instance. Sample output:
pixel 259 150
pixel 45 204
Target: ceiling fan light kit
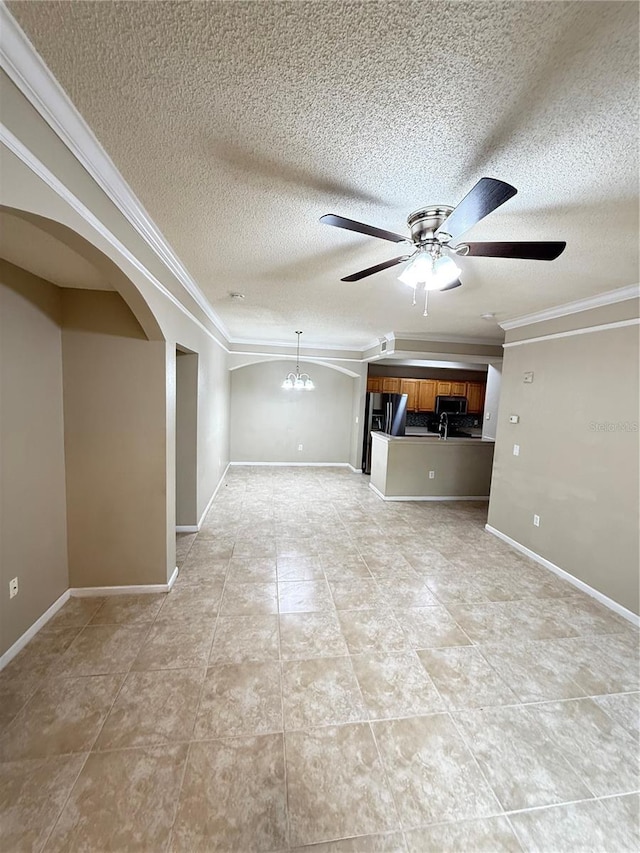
pixel 298 381
pixel 432 230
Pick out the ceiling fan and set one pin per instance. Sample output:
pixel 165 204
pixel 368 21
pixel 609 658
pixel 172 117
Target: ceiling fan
pixel 433 229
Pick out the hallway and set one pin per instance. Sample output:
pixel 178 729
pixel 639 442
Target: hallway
pixel 327 668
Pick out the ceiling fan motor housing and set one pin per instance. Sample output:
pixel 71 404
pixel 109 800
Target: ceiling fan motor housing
pixel 425 223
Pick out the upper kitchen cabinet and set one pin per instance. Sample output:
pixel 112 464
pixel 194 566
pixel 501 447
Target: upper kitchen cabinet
pixel 475 397
pixel 411 388
pixel 458 389
pixel 374 384
pixel 427 393
pixel 444 389
pixel 390 385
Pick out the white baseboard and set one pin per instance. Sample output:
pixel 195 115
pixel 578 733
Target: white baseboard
pixel 22 641
pixel 572 579
pixel 187 528
pixel 140 589
pixel 355 470
pixel 295 465
pixel 428 497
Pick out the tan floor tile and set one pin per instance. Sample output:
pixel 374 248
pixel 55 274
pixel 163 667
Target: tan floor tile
pixel 587 616
pixel 76 613
pixel 123 800
pixel 344 568
pixel 233 797
pixel 336 785
pixel 512 620
pixel 64 716
pixel 299 568
pixel 22 676
pixel 310 635
pixel 430 628
pixel 454 589
pixel 600 751
pixel 240 699
pixel 128 608
pixel 153 708
pixel 189 603
pixel 252 570
pixel 372 631
pixel 249 599
pixel 357 594
pixel 576 828
pixel 32 794
pixel 206 551
pixel 169 646
pixel 594 668
pixel 490 835
pixel 258 547
pixel 102 649
pixel 201 576
pixel 390 843
pixel 320 692
pixel 520 763
pixel 304 596
pixel 431 772
pixel 395 685
pixel 404 592
pixel 530 672
pixel 184 541
pixel 624 709
pixel 245 638
pixel 465 679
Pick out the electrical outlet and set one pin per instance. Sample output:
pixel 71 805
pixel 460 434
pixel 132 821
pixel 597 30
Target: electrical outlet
pixel 299 447
pixel 536 521
pixel 488 416
pixel 13 587
pixel 357 419
pixel 432 475
pixel 513 419
pixel 516 450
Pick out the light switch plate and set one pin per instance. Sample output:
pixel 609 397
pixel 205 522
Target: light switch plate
pixel 513 419
pixel 516 450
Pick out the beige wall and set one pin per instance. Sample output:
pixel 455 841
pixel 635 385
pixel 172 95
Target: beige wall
pixel 186 438
pixel 268 423
pixel 581 479
pixel 33 531
pixel 114 410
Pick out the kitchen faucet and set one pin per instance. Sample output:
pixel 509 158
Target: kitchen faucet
pixel 443 426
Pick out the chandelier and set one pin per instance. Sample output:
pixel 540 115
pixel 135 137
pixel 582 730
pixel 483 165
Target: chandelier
pixel 297 380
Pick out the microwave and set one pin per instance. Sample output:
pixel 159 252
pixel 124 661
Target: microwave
pixel 451 405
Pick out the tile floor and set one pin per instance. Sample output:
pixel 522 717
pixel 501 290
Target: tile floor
pixel 330 673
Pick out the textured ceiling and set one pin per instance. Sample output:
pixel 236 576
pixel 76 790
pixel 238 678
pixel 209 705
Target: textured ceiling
pixel 239 124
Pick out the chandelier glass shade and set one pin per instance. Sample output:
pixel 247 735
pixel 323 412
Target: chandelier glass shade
pixel 298 381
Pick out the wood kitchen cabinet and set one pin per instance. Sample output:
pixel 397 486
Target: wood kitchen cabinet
pixel 427 395
pixel 443 389
pixel 475 397
pixel 374 384
pixel 411 388
pixel 459 389
pixel 390 385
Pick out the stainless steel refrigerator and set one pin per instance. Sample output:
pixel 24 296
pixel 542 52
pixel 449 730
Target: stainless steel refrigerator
pixel 382 413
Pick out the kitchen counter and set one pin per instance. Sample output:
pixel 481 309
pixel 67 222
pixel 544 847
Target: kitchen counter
pixel 413 431
pixel 460 467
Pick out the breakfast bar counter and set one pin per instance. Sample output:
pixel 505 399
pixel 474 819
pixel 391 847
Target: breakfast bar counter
pixel 425 467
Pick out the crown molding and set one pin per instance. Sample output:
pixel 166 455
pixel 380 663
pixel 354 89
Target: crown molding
pixel 597 301
pixel 27 70
pixel 445 339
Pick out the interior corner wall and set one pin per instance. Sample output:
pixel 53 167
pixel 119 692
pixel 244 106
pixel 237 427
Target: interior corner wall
pixel 33 528
pixel 578 462
pixel 214 392
pixel 268 423
pixel 492 401
pixel 115 443
pixel 186 438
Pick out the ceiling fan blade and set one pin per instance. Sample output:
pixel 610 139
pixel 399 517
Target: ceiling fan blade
pixel 486 196
pixel 352 225
pixel 356 276
pixel 539 251
pixel 456 283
